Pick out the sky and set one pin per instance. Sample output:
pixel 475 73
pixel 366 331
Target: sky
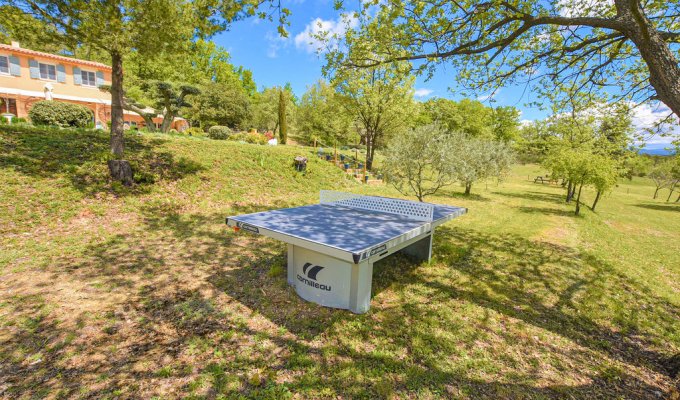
pixel 275 61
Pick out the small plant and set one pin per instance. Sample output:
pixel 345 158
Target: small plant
pixel 60 114
pixel 219 132
pixel 194 131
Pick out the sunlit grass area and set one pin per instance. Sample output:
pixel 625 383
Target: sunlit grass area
pixel 113 292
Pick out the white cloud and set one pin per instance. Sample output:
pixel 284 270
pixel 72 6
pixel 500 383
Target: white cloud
pixel 423 92
pixel 646 117
pixel 275 43
pixel 310 39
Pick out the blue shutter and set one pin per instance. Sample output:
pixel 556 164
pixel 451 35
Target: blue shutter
pixel 77 77
pixel 34 69
pixel 100 78
pixel 61 74
pixel 14 66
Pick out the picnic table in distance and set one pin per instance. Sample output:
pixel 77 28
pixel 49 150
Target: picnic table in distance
pixel 543 179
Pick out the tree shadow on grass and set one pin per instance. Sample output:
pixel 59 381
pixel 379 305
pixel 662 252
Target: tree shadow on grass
pixel 660 207
pixel 204 312
pixel 571 293
pixel 546 211
pixel 80 156
pixel 456 194
pixel 534 196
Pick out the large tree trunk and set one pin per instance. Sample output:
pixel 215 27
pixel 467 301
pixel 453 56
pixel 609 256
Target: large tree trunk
pixel 468 188
pixel 168 118
pixel 119 169
pixel 369 150
pixel 117 129
pixel 664 72
pixel 597 198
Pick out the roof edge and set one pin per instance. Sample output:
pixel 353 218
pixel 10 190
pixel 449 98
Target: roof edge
pixel 21 50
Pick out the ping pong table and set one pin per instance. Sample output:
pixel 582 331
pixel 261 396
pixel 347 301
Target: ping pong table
pixel 332 245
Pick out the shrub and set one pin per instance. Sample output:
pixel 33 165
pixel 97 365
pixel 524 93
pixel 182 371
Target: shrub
pixel 19 120
pixel 256 138
pixel 60 114
pixel 219 132
pixel 193 131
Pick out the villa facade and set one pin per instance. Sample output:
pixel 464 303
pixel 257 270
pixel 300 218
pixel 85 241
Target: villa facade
pixel 28 76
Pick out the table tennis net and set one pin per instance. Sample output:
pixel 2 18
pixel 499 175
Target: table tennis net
pixel 410 209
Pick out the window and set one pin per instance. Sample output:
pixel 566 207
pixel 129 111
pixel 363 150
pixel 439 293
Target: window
pixel 48 71
pixel 4 65
pixel 88 78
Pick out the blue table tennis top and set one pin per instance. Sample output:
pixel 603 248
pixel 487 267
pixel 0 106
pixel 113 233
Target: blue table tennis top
pixel 348 229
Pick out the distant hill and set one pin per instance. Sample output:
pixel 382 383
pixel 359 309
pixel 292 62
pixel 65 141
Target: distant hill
pixel 657 152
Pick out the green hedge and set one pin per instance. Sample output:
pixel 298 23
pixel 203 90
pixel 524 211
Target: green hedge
pixel 56 113
pixel 219 132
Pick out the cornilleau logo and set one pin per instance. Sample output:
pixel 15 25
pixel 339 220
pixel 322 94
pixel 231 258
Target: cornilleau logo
pixel 311 271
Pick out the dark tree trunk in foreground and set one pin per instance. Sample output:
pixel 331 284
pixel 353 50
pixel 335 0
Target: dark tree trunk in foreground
pixel 656 192
pixel 597 198
pixel 664 71
pixel 468 188
pixel 670 194
pixel 119 169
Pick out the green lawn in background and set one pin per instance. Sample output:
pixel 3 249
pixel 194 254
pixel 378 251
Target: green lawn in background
pixel 112 292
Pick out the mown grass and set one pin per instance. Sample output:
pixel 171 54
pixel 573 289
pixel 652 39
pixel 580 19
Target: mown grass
pixel 114 292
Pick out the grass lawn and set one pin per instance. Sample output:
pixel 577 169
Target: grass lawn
pixel 111 292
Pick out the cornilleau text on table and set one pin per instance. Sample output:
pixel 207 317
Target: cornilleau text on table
pixel 332 245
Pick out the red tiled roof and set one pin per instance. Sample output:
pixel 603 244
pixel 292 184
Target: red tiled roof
pixel 19 50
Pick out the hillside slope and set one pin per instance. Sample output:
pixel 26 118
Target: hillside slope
pixel 114 292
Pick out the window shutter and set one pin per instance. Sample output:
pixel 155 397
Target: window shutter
pixel 14 66
pixel 61 73
pixel 77 77
pixel 34 69
pixel 100 78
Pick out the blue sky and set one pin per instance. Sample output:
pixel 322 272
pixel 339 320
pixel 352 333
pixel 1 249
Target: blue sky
pixel 256 45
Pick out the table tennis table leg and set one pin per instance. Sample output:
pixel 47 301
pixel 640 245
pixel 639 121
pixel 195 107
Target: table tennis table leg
pixel 291 265
pixel 420 250
pixel 361 281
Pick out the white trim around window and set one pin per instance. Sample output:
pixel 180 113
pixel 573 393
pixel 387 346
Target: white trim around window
pixel 4 65
pixel 88 78
pixel 48 72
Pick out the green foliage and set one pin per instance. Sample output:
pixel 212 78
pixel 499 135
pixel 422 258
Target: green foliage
pixel 265 109
pixel 322 117
pixel 60 114
pixel 218 132
pixel 30 31
pixel 417 162
pixel 473 118
pixel 582 167
pixel 224 103
pixel 249 137
pixel 380 101
pixel 475 159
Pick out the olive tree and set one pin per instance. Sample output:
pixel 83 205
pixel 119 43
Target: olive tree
pixel 418 162
pixel 476 159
